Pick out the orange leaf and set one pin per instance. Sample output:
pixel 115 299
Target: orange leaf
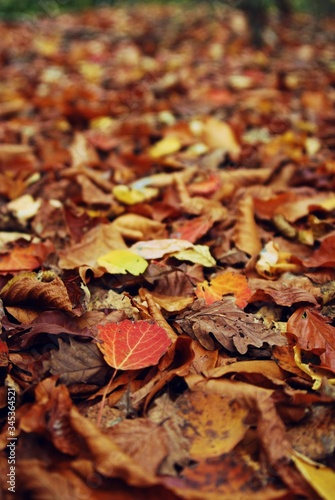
pixel 224 284
pixel 130 346
pixel 25 259
pixel 246 235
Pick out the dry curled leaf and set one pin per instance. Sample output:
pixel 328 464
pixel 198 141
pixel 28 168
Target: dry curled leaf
pixel 43 289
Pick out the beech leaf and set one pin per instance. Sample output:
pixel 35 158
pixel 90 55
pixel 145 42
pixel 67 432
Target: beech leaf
pixel 232 328
pixel 130 346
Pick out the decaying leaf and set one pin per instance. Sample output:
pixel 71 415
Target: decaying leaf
pixel 314 333
pixel 229 325
pixel 122 261
pixel 43 289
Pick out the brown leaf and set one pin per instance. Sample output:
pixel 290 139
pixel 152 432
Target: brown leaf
pixel 44 289
pixel 136 227
pixel 325 255
pixel 95 243
pixel 142 439
pixel 77 362
pixel 283 295
pixel 246 234
pixel 232 328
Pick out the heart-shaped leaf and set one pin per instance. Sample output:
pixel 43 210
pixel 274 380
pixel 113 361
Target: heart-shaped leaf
pixel 130 346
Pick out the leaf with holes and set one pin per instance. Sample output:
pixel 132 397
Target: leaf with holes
pixel 130 346
pixel 230 326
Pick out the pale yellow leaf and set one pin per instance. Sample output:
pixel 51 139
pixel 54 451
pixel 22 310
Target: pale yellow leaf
pixel 198 254
pixel 320 477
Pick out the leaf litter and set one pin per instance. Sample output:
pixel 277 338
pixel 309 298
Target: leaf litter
pixel 167 251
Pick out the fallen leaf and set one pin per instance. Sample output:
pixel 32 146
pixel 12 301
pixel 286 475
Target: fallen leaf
pixel 246 234
pixel 198 254
pixel 225 284
pixel 131 196
pixel 231 327
pixel 215 424
pixel 77 362
pixel 219 134
pixel 324 256
pixel 43 289
pixel 25 258
pixel 155 249
pixel 130 346
pixel 136 227
pixel 96 242
pixel 165 146
pixel 320 477
pixel 143 440
pixel 314 333
pixel 122 261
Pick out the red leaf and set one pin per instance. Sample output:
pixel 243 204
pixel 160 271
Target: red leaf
pixel 130 346
pixel 325 255
pixel 315 334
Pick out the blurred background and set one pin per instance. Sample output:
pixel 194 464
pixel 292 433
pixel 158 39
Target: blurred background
pixel 12 10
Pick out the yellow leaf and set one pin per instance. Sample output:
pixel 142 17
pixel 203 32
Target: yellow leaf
pixel 320 477
pixel 198 254
pixel 164 147
pixel 122 261
pixel 130 196
pixel 307 369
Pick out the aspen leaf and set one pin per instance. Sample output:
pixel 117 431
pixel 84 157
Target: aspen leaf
pixel 123 261
pixel 131 346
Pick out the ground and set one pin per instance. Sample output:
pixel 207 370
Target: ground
pixel 167 256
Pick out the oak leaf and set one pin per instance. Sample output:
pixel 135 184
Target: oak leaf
pixel 232 328
pixel 130 346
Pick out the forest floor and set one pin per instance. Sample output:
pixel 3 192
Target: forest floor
pixel 167 253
